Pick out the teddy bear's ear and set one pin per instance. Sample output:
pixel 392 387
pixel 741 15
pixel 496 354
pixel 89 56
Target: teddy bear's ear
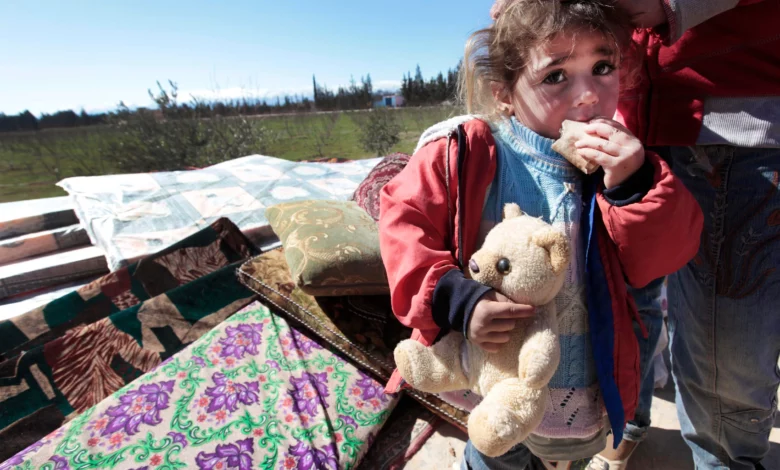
pixel 512 210
pixel 557 245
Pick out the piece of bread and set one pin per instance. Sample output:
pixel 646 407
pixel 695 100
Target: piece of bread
pixel 571 132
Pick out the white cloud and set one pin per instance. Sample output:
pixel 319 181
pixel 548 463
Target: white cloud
pixel 387 85
pixel 237 93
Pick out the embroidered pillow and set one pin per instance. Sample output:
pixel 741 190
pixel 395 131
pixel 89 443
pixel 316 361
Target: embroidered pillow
pixel 331 247
pixel 367 193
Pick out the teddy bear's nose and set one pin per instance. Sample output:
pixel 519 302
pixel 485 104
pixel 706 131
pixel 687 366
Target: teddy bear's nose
pixel 473 266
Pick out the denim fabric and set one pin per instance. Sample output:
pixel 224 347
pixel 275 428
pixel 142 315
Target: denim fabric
pixel 648 302
pixel 519 458
pixel 724 320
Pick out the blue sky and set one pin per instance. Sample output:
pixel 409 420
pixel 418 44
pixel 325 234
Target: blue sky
pixel 91 54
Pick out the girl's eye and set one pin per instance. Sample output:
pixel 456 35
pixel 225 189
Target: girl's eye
pixel 554 78
pixel 603 68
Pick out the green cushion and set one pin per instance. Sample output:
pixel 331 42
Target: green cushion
pixel 331 247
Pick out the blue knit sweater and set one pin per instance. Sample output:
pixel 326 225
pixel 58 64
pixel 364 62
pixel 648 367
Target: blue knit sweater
pixel 546 185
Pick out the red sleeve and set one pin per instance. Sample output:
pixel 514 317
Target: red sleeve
pixel 414 234
pixel 660 233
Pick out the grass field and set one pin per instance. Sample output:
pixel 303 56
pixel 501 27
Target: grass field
pixel 32 162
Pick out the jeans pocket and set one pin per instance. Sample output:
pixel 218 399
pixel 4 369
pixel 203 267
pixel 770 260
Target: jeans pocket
pixel 752 421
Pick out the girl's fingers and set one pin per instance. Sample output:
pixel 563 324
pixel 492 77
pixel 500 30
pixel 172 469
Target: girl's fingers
pixel 597 143
pixel 597 156
pixel 501 325
pixel 495 337
pixel 602 129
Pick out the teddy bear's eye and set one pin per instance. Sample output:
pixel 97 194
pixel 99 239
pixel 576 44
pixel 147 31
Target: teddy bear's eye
pixel 503 266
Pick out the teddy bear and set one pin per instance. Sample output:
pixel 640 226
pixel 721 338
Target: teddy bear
pixel 525 259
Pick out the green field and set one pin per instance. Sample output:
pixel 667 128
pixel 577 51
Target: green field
pixel 32 162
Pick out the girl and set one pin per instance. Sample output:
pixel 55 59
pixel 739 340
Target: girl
pixel 541 62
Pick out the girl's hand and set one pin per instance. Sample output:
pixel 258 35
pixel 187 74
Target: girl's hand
pixel 609 144
pixel 493 318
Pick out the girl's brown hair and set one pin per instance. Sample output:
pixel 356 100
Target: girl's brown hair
pixel 499 54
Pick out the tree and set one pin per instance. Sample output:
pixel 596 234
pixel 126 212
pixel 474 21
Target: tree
pixel 27 122
pixel 177 137
pixel 379 130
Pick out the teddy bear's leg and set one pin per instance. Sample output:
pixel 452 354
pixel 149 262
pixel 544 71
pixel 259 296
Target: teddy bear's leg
pixel 510 411
pixel 541 351
pixel 432 369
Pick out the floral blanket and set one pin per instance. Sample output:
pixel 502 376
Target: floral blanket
pixel 251 393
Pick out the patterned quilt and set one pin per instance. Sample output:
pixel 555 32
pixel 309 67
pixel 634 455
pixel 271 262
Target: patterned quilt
pixel 129 216
pixel 62 358
pixel 251 393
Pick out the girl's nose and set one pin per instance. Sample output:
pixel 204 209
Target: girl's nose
pixel 587 95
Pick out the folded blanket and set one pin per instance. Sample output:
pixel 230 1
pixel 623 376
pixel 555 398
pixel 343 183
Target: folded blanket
pixel 129 216
pixel 208 250
pixel 63 358
pixel 252 393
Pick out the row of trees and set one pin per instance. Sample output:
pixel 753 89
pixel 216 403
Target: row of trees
pixel 26 121
pixel 416 92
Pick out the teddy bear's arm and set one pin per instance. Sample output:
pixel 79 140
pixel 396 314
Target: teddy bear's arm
pixel 541 351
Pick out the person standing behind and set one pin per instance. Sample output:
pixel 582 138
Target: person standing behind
pixel 711 97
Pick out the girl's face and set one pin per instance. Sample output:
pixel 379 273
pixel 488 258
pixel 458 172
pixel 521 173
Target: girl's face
pixel 573 76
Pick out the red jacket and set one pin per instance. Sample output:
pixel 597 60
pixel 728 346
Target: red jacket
pixel 734 54
pixel 429 223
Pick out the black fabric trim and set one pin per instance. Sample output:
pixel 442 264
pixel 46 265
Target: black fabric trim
pixel 634 188
pixel 460 209
pixel 454 299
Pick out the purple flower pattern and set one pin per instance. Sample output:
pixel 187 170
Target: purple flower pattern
pixel 241 339
pixel 298 341
pixel 138 406
pixel 178 438
pixel 369 390
pixel 124 415
pixel 237 455
pixel 308 391
pixel 348 421
pixel 226 393
pixel 60 463
pixel 303 457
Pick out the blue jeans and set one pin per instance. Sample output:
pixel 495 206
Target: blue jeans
pixel 648 302
pixel 724 319
pixel 518 458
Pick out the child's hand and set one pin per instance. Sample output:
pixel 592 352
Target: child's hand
pixel 614 147
pixel 493 318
